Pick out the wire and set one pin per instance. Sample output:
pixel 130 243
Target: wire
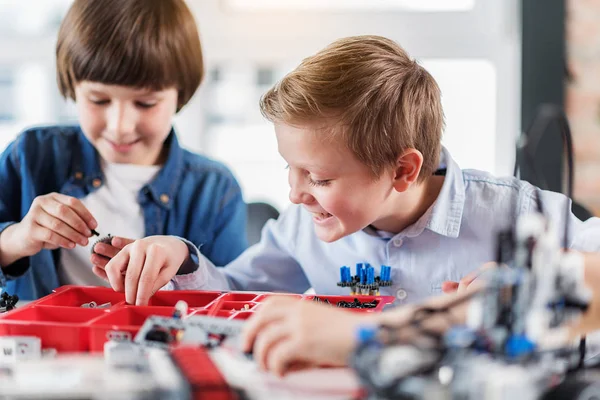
pixel 547 114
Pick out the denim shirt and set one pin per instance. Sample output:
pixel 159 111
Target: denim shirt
pixel 192 197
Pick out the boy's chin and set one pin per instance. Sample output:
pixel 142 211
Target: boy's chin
pixel 329 235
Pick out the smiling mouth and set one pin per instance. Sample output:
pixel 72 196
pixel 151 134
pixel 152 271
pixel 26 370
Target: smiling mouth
pixel 122 147
pixel 321 216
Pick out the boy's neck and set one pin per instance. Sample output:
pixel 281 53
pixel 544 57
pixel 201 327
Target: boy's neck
pixel 408 207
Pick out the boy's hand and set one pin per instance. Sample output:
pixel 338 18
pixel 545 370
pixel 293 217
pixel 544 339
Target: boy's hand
pixel 144 266
pixel 103 252
pixel 288 334
pixel 459 287
pixel 54 220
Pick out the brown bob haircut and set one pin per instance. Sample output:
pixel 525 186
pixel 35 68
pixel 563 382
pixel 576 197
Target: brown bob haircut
pixel 150 44
pixel 378 98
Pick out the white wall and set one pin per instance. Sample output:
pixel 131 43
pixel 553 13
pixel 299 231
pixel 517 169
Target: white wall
pixel 474 54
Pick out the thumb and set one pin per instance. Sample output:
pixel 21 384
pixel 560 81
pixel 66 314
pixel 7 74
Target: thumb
pixel 449 287
pixel 120 242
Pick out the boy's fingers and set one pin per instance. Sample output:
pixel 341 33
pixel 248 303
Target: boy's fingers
pixel 106 250
pixel 50 238
pixel 270 311
pixel 68 215
pixel 59 226
pixel 269 337
pixel 163 278
pixel 473 276
pixel 79 208
pixel 155 260
pixel 282 356
pixel 137 259
pixel 99 261
pixel 120 242
pixel 114 270
pixel 100 272
pixel 450 287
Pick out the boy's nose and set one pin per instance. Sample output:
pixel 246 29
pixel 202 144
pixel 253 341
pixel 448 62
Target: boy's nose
pixel 300 197
pixel 121 122
pixel 298 194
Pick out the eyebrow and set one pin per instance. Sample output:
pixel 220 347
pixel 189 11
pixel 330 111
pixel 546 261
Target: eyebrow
pixel 99 93
pixel 315 169
pixel 96 92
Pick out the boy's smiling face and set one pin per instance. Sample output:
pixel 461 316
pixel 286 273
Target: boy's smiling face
pixel 326 178
pixel 126 125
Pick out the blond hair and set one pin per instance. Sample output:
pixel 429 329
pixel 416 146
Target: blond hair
pixel 147 44
pixel 385 102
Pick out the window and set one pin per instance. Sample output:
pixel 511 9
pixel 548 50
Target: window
pixel 352 5
pixel 471 47
pixel 469 100
pixel 7 109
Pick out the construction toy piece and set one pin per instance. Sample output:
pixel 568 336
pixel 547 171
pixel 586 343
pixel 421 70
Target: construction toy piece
pixel 181 310
pixel 105 240
pixel 93 304
pixel 357 304
pixel 159 334
pixel 19 348
pixel 202 376
pixel 317 299
pixel 8 302
pixel 349 304
pixel 365 282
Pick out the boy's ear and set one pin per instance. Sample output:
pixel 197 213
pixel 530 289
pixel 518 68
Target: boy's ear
pixel 408 167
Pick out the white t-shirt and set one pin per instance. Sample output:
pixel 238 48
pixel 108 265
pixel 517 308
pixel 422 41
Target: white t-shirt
pixel 115 206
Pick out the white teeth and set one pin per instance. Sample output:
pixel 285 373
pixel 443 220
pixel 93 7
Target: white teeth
pixel 322 215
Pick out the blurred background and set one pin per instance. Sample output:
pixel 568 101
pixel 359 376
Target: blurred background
pixel 495 60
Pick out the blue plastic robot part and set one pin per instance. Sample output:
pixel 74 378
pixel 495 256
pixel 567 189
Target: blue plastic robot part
pixel 365 282
pixel 518 345
pixel 366 333
pixel 370 276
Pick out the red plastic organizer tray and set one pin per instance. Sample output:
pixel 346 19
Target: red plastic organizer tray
pixel 61 322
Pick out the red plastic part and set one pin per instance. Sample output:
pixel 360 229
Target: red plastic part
pixel 126 319
pixel 203 376
pixel 194 299
pixel 382 301
pixel 60 321
pixel 74 296
pixel 64 329
pixel 265 296
pixel 239 296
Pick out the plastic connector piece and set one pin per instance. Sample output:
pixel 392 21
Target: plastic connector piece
pixel 518 345
pixel 366 333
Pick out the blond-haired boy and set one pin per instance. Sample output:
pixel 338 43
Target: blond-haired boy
pixel 360 125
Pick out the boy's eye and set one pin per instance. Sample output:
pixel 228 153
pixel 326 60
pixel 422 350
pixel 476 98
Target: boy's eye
pixel 100 102
pixel 142 104
pixel 324 182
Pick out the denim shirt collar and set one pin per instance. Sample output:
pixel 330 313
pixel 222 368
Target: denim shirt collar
pixel 165 185
pixel 87 172
pixel 445 215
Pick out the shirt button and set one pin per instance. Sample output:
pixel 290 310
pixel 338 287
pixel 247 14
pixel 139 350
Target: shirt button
pixel 78 175
pixel 401 294
pixel 96 183
pixel 164 198
pixel 398 242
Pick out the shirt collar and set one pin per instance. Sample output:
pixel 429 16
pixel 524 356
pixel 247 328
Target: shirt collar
pixel 445 215
pixel 86 163
pixel 164 187
pixel 87 171
pixel 447 210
